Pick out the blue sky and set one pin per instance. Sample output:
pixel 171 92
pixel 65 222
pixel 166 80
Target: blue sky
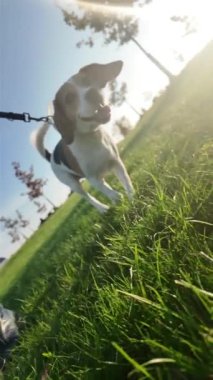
pixel 38 53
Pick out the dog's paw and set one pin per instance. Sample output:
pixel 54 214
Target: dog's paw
pixel 131 193
pixel 103 208
pixel 117 197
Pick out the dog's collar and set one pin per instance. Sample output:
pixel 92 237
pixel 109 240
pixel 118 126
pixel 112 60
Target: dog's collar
pixel 87 118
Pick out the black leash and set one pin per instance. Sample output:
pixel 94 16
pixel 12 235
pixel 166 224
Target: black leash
pixel 22 117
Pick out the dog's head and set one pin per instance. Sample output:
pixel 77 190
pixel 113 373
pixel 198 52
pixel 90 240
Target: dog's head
pixel 79 103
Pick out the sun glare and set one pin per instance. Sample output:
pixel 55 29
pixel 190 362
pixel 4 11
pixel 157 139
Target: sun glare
pixel 124 10
pixel 199 10
pixel 98 8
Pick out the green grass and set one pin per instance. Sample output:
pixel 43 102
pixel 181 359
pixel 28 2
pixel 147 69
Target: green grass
pixel 128 295
pixel 47 234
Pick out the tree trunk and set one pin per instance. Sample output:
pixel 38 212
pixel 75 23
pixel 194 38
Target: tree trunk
pixel 23 236
pixel 50 202
pixel 154 60
pixel 133 108
pixel 31 229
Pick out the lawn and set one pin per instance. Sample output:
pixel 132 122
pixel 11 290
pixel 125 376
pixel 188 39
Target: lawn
pixel 128 295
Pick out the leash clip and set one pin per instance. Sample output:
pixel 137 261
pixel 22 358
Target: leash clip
pixel 27 117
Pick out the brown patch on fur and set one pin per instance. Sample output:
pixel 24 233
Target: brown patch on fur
pixel 65 105
pixel 101 74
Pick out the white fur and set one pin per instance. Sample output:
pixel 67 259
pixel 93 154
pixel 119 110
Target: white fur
pixel 8 327
pixel 37 138
pixel 93 149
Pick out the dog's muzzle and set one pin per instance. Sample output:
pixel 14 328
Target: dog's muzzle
pixel 101 115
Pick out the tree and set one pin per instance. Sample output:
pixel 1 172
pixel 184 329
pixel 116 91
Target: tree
pixel 9 223
pixel 23 223
pixel 104 18
pixel 188 23
pixel 118 95
pixel 14 236
pixel 124 126
pixel 34 185
pixel 14 227
pixel 40 207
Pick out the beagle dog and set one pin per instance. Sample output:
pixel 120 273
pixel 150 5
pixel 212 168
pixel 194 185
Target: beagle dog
pixel 85 150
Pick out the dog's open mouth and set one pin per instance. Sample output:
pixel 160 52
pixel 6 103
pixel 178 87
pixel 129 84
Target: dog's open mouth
pixel 101 115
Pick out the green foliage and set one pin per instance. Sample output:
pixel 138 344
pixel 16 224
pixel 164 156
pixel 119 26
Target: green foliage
pixel 128 295
pixel 99 17
pixel 110 19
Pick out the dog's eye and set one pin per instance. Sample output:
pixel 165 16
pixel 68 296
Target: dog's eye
pixel 94 97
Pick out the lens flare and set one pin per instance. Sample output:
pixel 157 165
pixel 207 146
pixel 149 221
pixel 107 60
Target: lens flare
pixel 100 8
pixel 200 10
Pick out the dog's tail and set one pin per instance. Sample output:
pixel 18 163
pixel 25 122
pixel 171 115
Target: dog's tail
pixel 37 140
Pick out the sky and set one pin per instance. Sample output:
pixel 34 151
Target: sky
pixel 38 54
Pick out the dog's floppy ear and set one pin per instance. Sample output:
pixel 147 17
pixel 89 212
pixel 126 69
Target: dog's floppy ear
pixel 98 73
pixel 64 117
pixel 65 126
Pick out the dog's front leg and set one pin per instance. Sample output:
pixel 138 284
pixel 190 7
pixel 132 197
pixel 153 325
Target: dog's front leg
pixel 75 186
pixel 105 188
pixel 122 175
pixel 101 207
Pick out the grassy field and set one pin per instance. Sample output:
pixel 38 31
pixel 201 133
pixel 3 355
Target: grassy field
pixel 128 295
